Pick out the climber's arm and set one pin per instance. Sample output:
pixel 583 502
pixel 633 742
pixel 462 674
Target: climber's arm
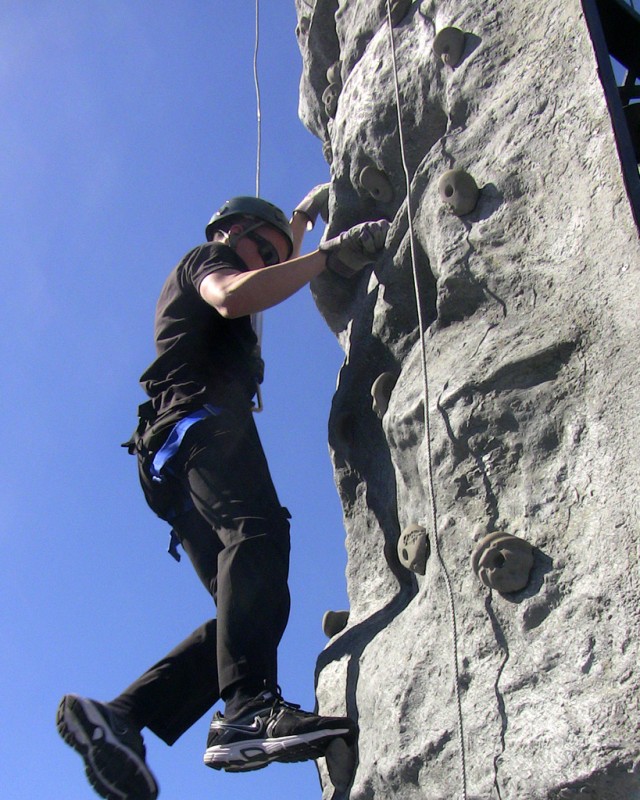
pixel 236 294
pixel 299 223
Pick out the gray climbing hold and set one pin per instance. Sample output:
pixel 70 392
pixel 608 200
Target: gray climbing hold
pixel 381 392
pixel 414 548
pixel 376 183
pixel 459 191
pixel 334 74
pixel 399 10
pixel 330 99
pixel 334 622
pixel 327 152
pixel 449 46
pixel 503 562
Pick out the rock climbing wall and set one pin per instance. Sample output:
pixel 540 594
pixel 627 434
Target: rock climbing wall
pixel 516 613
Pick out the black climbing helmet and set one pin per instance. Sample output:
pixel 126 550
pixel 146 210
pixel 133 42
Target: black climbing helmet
pixel 255 208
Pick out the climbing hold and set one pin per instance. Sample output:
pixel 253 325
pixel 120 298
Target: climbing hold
pixel 334 74
pixel 503 562
pixel 399 10
pixel 302 28
pixel 414 548
pixel 449 46
pixel 459 191
pixel 327 152
pixel 334 622
pixel 381 392
pixel 330 99
pixel 377 184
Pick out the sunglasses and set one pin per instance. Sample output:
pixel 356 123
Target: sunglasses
pixel 266 250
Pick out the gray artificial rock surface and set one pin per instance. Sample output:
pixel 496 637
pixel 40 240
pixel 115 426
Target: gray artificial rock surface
pixel 530 307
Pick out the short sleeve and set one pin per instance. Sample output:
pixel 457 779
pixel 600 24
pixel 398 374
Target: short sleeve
pixel 208 258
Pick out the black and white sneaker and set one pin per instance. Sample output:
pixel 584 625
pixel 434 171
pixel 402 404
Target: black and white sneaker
pixel 270 729
pixel 111 747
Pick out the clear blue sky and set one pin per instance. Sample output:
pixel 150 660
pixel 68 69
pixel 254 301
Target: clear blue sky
pixel 124 125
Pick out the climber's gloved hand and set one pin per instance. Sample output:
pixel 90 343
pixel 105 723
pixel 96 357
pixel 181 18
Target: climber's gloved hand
pixel 356 248
pixel 314 203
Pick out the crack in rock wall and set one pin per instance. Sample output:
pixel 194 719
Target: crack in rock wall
pixel 530 308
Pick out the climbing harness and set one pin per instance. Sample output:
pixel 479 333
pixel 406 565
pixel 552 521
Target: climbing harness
pixel 427 426
pixel 174 440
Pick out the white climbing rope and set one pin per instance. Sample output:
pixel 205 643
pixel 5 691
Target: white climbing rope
pixel 256 82
pixel 427 422
pixel 256 319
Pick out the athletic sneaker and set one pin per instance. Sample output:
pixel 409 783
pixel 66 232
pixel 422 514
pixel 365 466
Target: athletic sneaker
pixel 270 729
pixel 111 746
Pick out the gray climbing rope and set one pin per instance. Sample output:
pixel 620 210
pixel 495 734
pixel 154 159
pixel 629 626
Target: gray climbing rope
pixel 427 424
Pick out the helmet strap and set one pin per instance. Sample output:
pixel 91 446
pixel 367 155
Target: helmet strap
pixel 232 239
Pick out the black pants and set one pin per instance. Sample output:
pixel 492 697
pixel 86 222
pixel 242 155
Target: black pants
pixel 237 537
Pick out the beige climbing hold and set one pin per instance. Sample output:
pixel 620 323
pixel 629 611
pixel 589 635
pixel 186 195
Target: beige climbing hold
pixel 414 548
pixel 459 191
pixel 334 74
pixel 381 392
pixel 449 46
pixel 330 99
pixel 376 183
pixel 503 562
pixel 399 9
pixel 334 622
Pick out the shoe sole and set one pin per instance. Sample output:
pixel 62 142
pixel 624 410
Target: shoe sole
pixel 252 754
pixel 114 770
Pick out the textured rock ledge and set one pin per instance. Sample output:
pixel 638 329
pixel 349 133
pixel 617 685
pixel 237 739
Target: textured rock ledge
pixel 533 362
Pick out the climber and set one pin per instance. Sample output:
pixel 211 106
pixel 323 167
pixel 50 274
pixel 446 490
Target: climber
pixel 203 470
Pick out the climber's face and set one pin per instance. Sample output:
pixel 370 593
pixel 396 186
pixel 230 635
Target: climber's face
pixel 262 247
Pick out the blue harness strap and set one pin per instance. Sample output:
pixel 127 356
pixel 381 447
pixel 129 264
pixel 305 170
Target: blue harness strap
pixel 167 452
pixel 175 437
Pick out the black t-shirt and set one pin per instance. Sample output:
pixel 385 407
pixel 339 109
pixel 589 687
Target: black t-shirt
pixel 201 356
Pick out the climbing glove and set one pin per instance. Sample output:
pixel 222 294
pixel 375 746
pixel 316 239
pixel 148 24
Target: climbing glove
pixel 356 248
pixel 314 203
